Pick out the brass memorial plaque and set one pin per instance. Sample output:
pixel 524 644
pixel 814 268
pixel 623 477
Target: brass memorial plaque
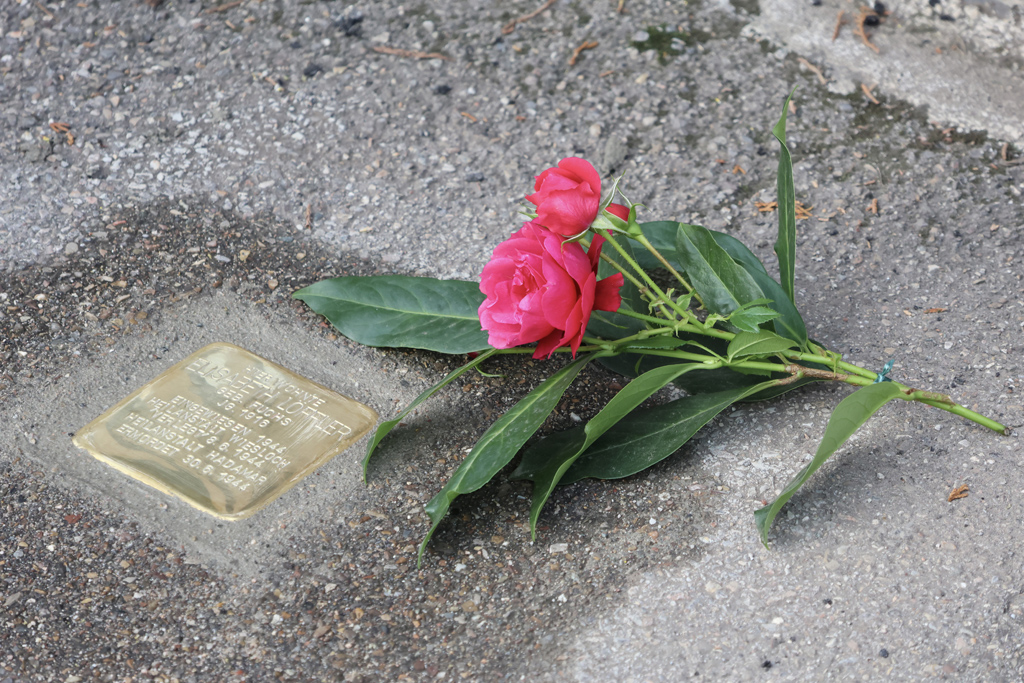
pixel 226 431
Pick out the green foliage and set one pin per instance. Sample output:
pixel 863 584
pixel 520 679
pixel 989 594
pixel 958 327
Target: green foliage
pixel 401 311
pixel 789 323
pixel 722 284
pixel 760 343
pixel 662 236
pixel 651 435
pixel 751 315
pixel 546 466
pixel 750 344
pixel 384 428
pixel 502 441
pixel 785 244
pixel 849 415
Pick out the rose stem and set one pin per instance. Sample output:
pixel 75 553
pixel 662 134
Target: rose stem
pixel 642 239
pixel 679 310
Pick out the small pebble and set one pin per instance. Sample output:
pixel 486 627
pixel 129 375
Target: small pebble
pixel 71 248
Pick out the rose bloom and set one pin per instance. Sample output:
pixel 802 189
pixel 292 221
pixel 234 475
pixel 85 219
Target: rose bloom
pixel 541 288
pixel 567 197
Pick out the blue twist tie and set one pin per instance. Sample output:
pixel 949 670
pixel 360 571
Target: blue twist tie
pixel 881 376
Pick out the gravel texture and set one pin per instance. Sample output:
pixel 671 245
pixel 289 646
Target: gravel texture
pixel 217 157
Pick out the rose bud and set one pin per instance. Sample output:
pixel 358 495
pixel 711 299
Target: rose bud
pixel 567 197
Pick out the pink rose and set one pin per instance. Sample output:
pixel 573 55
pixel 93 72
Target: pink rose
pixel 618 210
pixel 541 288
pixel 567 197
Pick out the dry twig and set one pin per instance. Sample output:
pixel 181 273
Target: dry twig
pixel 867 93
pixel 816 70
pixel 859 31
pixel 45 11
pixel 414 54
pixel 223 8
pixel 511 26
pixel 765 207
pixel 585 45
pixel 839 23
pixel 802 212
pixel 873 206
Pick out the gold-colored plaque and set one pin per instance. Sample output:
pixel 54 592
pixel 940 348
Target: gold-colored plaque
pixel 226 431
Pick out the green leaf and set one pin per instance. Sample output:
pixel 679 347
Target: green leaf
pixel 662 236
pixel 750 316
pixel 605 325
pixel 789 323
pixel 739 252
pixel 849 415
pixel 545 466
pixel 649 436
pixel 401 311
pixel 785 245
pixel 722 284
pixel 502 441
pixel 762 343
pixel 384 428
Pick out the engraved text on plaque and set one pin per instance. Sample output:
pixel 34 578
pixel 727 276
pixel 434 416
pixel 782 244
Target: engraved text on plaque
pixel 226 431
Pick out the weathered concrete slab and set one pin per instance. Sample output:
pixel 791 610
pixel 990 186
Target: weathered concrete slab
pixel 40 420
pixel 962 72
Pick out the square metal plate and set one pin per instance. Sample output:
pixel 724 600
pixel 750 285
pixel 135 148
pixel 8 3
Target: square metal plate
pixel 226 431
